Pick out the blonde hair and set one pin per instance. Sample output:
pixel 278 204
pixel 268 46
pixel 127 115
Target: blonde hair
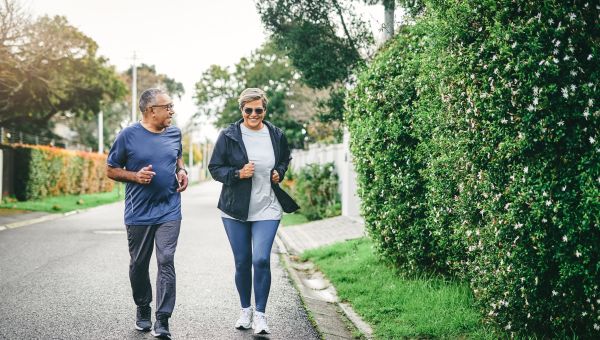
pixel 251 94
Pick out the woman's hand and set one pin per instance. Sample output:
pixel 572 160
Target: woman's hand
pixel 275 176
pixel 247 171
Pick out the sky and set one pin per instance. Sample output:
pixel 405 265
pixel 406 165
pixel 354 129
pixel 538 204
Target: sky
pixel 182 38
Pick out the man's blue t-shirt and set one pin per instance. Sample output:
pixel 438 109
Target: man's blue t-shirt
pixel 134 148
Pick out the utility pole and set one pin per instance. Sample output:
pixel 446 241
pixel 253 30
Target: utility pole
pixel 134 91
pixel 100 132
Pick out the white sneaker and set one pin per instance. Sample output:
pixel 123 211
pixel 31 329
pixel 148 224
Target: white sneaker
pixel 245 320
pixel 260 323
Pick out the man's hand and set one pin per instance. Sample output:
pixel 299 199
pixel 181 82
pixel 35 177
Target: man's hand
pixel 182 181
pixel 275 176
pixel 247 171
pixel 144 176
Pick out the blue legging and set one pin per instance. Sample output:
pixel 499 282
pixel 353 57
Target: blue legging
pixel 251 243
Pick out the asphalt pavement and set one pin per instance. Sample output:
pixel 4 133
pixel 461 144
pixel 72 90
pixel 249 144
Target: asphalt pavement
pixel 67 278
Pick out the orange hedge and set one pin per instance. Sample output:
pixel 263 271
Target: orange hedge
pixel 48 171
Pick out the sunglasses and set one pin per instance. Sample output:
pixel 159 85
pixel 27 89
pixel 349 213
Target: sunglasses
pixel 167 107
pixel 258 110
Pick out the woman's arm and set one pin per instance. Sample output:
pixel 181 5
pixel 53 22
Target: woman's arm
pixel 219 166
pixel 284 157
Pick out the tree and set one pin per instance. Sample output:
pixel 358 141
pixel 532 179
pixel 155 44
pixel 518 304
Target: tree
pixel 117 113
pixel 267 68
pixel 48 67
pixel 324 39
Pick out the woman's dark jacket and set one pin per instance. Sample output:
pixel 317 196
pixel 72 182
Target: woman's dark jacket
pixel 230 155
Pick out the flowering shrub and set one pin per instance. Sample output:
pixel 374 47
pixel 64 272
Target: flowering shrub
pixel 47 171
pixel 315 189
pixel 493 105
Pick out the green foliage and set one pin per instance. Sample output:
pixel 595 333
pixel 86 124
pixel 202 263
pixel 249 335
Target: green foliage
pixel 46 171
pixel 49 66
pixel 396 305
pixel 475 135
pixel 307 31
pixel 315 189
pixel 267 68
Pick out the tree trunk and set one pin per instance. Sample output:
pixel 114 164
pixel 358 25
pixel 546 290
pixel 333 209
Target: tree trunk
pixel 388 26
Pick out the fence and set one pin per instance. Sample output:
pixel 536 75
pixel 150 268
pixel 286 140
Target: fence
pixel 340 155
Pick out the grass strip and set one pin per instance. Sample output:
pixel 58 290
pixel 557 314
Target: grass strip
pixel 398 306
pixel 61 204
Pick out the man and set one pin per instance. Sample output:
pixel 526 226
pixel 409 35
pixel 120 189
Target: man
pixel 147 156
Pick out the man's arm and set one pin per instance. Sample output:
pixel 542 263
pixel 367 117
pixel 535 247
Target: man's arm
pixel 182 176
pixel 144 176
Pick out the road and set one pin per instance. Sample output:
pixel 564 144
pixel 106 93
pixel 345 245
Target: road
pixel 68 279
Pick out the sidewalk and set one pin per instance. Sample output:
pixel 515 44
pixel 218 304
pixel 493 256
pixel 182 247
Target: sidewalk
pixel 334 319
pixel 12 218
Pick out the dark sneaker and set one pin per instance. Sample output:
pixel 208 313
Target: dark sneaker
pixel 161 328
pixel 142 318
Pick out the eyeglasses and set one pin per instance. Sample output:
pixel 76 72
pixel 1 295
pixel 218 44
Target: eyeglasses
pixel 168 107
pixel 258 110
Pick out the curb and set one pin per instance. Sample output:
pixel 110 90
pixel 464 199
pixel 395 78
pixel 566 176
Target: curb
pixel 40 219
pixel 320 298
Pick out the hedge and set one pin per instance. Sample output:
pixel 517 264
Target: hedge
pixel 315 189
pixel 475 137
pixel 42 171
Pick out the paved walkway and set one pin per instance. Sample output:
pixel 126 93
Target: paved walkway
pixel 315 234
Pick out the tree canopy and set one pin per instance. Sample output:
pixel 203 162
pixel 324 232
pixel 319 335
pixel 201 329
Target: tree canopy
pixel 267 68
pixel 47 67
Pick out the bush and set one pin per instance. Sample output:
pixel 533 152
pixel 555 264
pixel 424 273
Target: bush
pixel 315 189
pixel 46 171
pixel 475 135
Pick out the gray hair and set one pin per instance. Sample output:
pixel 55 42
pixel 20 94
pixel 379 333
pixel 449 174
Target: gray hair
pixel 252 94
pixel 148 98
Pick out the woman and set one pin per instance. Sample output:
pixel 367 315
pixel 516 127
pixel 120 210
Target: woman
pixel 250 158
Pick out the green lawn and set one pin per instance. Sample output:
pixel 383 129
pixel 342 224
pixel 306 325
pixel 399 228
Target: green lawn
pixel 292 219
pixel 395 306
pixel 60 204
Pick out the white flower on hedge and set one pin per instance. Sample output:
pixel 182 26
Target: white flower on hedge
pixel 526 169
pixel 555 60
pixel 589 57
pixel 573 87
pixel 583 313
pixel 561 123
pixel 577 254
pixel 555 51
pixel 564 238
pixel 554 293
pixel 565 92
pixel 586 113
pixel 518 225
pixel 564 188
pixel 592 140
pixel 597 327
pixel 544 220
pixel 530 108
